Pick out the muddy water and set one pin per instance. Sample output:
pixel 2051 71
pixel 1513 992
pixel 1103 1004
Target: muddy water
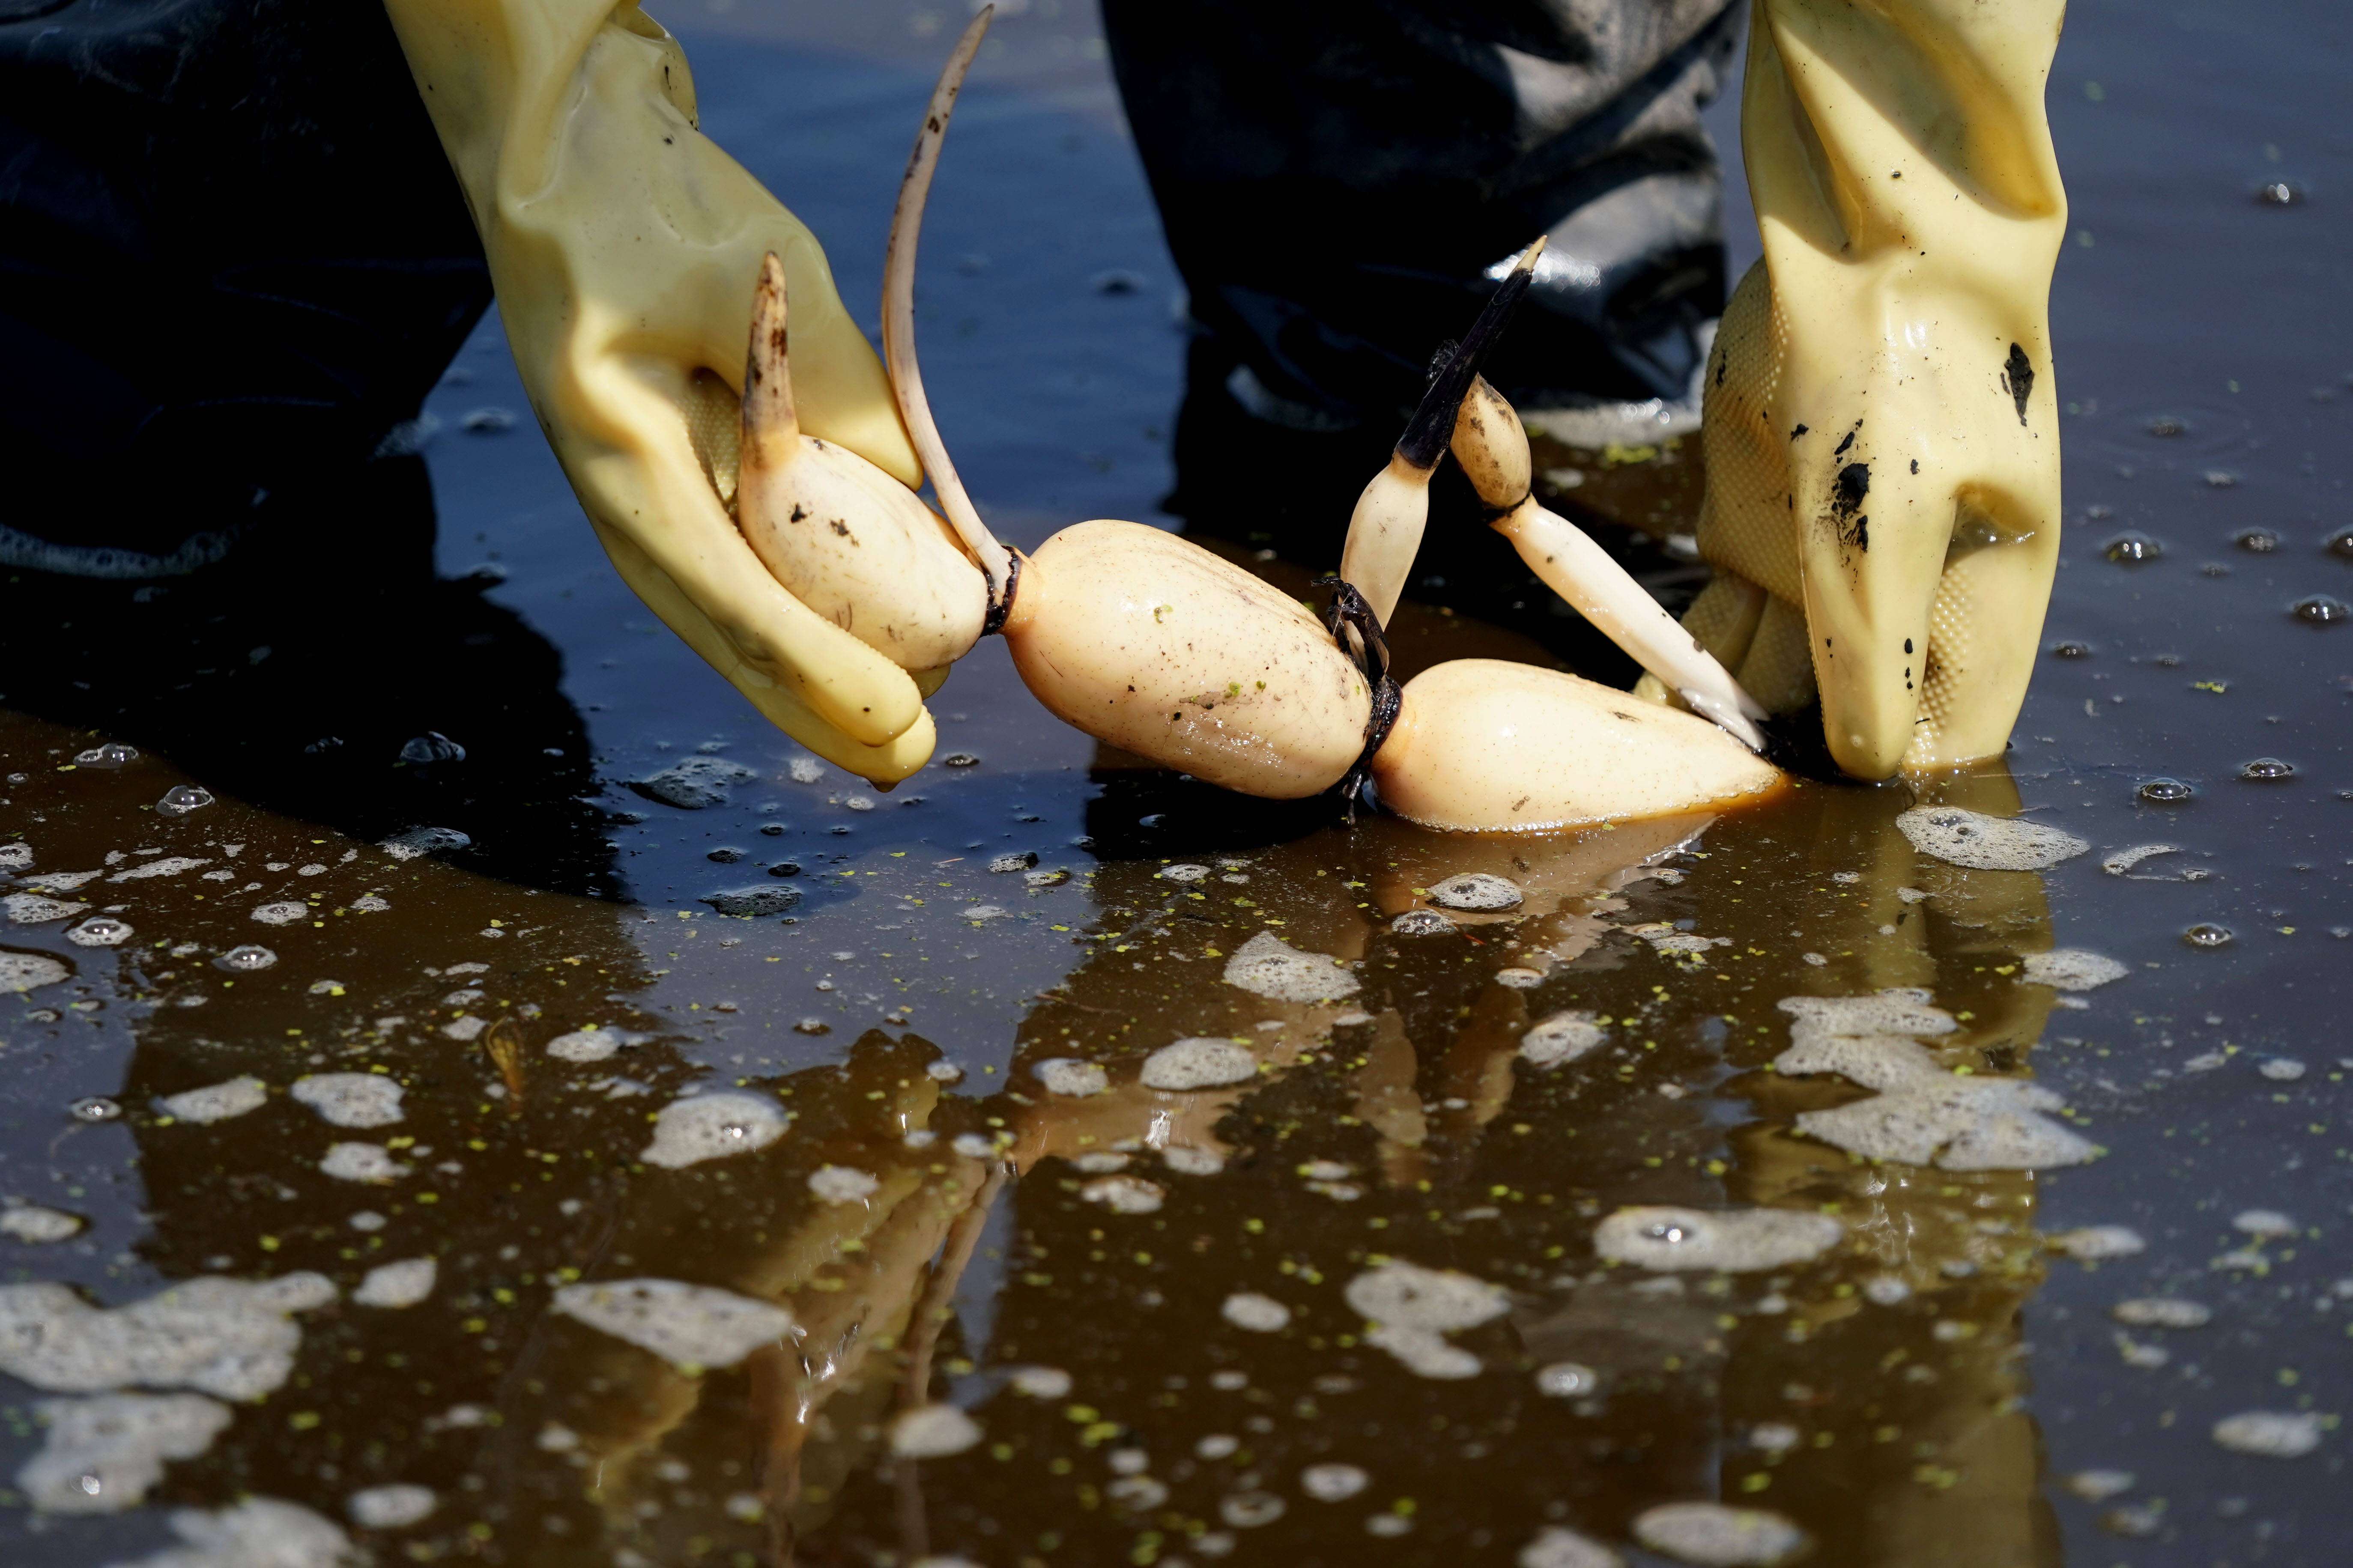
pixel 1181 1323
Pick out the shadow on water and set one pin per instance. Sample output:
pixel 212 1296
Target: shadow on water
pixel 1179 1322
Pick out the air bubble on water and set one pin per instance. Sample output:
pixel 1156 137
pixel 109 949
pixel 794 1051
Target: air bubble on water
pixel 2266 770
pixel 2320 610
pixel 1568 1380
pixel 36 1226
pixel 350 1099
pixel 1021 862
pixel 2282 1069
pixel 1185 872
pixel 2257 541
pixel 113 754
pixel 2132 546
pixel 1560 1038
pixel 1268 967
pixel 2207 935
pixel 2340 544
pixel 1040 1382
pixel 2071 969
pixel 595 1044
pixel 2219 478
pixel 2098 1243
pixel 2270 1434
pixel 2268 1225
pixel 1729 1241
pixel 1517 979
pixel 2071 650
pixel 390 1507
pixel 1186 1160
pixel 1986 843
pixel 1476 890
pixel 956 760
pixel 2161 1312
pixel 102 1454
pixel 94 1107
pixel 932 1432
pixel 99 930
pixel 1248 1510
pixel 396 1285
pixel 2099 1486
pixel 1887 1290
pixel 2164 425
pixel 1199 1063
pixel 182 799
pixel 431 747
pixel 1070 1075
pixel 710 1126
pixel 1333 1482
pixel 1411 1309
pixel 1713 1535
pixel 1421 922
pixel 691 1327
pixel 943 1072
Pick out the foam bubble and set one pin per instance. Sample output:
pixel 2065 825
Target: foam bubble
pixel 216 1102
pixel 1071 1077
pixel 1960 1123
pixel 32 1223
pixel 1711 1535
pixel 2162 1312
pixel 1421 922
pixel 843 1185
pixel 1476 890
pixel 1874 1061
pixel 1199 1063
pixel 1560 1038
pixel 32 909
pixel 361 1162
pixel 401 1283
pixel 1557 1548
pixel 1040 1382
pixel 101 1455
pixel 390 1508
pixel 1518 979
pixel 1412 1308
pixel 1248 1510
pixel 2282 1069
pixel 169 866
pixel 1985 843
pixel 260 1532
pixel 1184 873
pixel 2271 1434
pixel 230 1338
pixel 1333 1482
pixel 1254 1314
pixel 932 1432
pixel 2073 969
pixel 350 1099
pixel 2098 1243
pixel 591 1045
pixel 689 1326
pixel 711 1127
pixel 1186 1160
pixel 1567 1380
pixel 1124 1195
pixel 1732 1240
pixel 284 914
pixel 2099 1486
pixel 1897 1010
pixel 29 970
pixel 1268 967
pixel 2268 1224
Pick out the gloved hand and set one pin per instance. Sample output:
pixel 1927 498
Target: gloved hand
pixel 1881 427
pixel 624 246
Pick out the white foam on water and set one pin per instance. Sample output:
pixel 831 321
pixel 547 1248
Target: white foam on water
pixel 1248 1510
pixel 1567 1380
pixel 1422 922
pixel 216 1102
pixel 1733 1241
pixel 362 1162
pixel 1268 967
pixel 1199 1062
pixel 1412 1308
pixel 2270 1434
pixel 1254 1314
pixel 1557 1548
pixel 1186 1160
pixel 1711 1535
pixel 806 770
pixel 32 1224
pixel 1897 1010
pixel 350 1099
pixel 392 1507
pixel 932 1432
pixel 1561 1038
pixel 230 1338
pixel 1101 1161
pixel 2269 1224
pixel 1069 1077
pixel 2162 1312
pixel 2098 1243
pixel 689 1326
pixel 1958 1123
pixel 32 909
pixel 62 881
pixel 2073 969
pixel 711 1127
pixel 2282 1069
pixel 281 914
pixel 2099 1486
pixel 401 1283
pixel 1985 843
pixel 1184 873
pixel 842 1184
pixel 590 1045
pixel 1124 1195
pixel 1040 1382
pixel 101 1455
pixel 1333 1482
pixel 1476 890
pixel 260 1532
pixel 30 970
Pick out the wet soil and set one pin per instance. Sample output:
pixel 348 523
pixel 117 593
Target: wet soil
pixel 1944 1382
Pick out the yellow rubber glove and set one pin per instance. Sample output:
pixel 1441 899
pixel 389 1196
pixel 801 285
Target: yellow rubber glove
pixel 1881 427
pixel 624 246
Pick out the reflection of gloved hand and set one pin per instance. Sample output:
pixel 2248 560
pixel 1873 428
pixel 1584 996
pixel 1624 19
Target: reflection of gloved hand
pixel 1882 432
pixel 624 246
